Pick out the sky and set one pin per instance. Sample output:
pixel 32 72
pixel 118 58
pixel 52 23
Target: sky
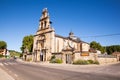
pixel 90 20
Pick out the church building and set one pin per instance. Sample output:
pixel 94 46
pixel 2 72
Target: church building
pixel 47 43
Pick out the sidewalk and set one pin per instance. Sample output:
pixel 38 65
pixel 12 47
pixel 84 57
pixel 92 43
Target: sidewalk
pixel 4 75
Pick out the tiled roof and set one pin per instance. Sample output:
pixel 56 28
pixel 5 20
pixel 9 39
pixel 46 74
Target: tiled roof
pixel 56 35
pixel 68 38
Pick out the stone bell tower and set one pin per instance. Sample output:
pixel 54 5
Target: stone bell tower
pixel 43 39
pixel 44 20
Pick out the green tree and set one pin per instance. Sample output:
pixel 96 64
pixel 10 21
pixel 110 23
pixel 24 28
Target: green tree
pixel 112 48
pixel 27 43
pixel 3 45
pixel 97 46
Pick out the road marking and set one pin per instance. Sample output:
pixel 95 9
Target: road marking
pixel 5 63
pixel 11 63
pixel 1 64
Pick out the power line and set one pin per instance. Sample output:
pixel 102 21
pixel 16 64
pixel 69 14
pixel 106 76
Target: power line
pixel 101 35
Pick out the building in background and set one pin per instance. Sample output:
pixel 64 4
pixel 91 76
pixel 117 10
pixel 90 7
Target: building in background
pixel 3 51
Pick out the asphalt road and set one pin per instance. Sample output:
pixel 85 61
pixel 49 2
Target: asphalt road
pixel 23 71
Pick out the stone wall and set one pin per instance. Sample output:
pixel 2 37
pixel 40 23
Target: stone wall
pixel 94 56
pixel 91 56
pixel 104 58
pixel 28 57
pixel 107 60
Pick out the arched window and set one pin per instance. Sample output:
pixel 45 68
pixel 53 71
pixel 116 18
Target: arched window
pixel 45 24
pixel 41 25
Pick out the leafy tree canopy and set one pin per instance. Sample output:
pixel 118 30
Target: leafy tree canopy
pixel 109 49
pixel 113 48
pixel 3 45
pixel 27 43
pixel 97 46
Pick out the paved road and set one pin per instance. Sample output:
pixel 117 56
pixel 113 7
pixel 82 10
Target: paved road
pixel 23 71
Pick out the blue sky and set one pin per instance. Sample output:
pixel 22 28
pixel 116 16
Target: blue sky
pixel 19 18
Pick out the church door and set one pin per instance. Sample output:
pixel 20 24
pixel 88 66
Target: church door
pixel 43 55
pixel 68 58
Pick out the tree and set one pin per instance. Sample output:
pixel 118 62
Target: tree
pixel 113 48
pixel 3 45
pixel 27 43
pixel 97 46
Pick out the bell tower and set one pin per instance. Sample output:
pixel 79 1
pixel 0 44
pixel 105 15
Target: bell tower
pixel 44 39
pixel 44 22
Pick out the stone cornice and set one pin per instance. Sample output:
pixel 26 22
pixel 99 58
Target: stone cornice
pixel 47 17
pixel 40 32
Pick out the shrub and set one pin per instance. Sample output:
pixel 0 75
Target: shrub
pixel 85 62
pixel 91 61
pixel 52 61
pixel 53 57
pixel 56 61
pixel 81 62
pixel 1 56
